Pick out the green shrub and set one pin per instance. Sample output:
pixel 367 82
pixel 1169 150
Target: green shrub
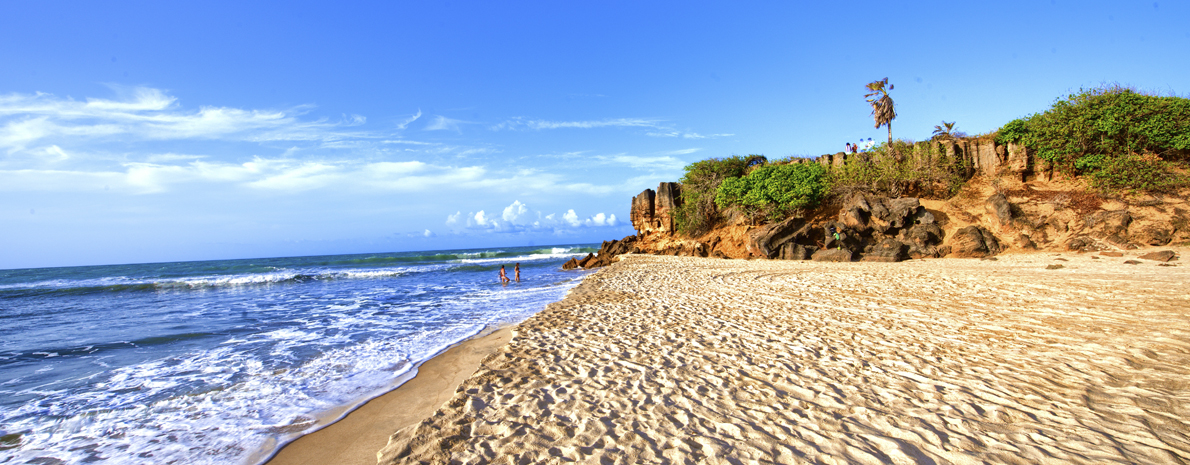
pixel 1134 173
pixel 698 213
pixel 1087 131
pixel 902 168
pixel 774 191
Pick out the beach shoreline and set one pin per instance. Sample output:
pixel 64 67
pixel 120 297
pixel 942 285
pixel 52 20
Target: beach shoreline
pixel 355 437
pixel 1037 356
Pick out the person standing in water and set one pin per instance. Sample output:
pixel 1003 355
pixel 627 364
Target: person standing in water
pixel 503 275
pixel 517 270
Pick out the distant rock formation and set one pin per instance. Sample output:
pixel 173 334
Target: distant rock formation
pixel 1011 200
pixel 653 211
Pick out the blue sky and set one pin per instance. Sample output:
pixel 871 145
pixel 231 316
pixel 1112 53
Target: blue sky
pixel 160 131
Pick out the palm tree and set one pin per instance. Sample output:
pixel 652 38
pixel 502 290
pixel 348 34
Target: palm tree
pixel 944 131
pixel 882 106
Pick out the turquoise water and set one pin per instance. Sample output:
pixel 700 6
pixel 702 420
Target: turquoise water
pixel 224 361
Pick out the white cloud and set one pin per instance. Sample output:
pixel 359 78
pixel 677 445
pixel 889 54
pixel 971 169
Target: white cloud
pixel 695 135
pixel 571 218
pixel 636 162
pixel 686 135
pixel 442 123
pixel 481 219
pixel 515 211
pixel 516 220
pixel 409 120
pixel 521 123
pixel 428 233
pixel 146 114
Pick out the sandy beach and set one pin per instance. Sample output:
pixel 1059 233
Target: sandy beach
pixel 686 360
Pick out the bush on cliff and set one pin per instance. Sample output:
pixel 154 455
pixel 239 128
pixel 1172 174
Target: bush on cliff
pixel 774 191
pixel 1121 138
pixel 698 213
pixel 901 168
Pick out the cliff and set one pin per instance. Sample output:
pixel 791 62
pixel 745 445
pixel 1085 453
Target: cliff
pixel 1012 201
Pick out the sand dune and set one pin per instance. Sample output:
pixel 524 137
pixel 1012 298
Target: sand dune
pixel 687 360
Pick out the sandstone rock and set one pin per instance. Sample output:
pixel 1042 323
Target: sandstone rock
pixel 570 264
pixel 586 260
pixel 1112 254
pixel 888 250
pixel 792 251
pixel 1161 256
pixel 1109 223
pixel 669 197
pixel 832 255
pixel 642 214
pixel 1153 235
pixel 767 240
pixel 1054 267
pixel 1131 262
pixel 998 207
pixel 974 242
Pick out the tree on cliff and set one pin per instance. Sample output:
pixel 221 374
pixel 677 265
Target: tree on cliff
pixel 882 105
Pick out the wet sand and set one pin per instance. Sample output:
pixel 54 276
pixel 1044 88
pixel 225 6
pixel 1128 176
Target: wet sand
pixel 356 438
pixel 687 360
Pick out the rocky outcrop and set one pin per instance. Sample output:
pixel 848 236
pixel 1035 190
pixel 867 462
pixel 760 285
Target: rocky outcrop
pixel 642 214
pixel 832 255
pixel 653 211
pixel 605 256
pixel 768 240
pixel 974 242
pixel 984 157
pixel 1160 256
pixel 669 198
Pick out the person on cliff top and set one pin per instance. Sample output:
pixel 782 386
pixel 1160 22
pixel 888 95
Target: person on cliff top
pixel 848 149
pixel 869 144
pixel 503 275
pixel 855 147
pixel 517 270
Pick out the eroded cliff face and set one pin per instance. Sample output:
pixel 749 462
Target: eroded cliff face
pixel 652 212
pixel 1012 203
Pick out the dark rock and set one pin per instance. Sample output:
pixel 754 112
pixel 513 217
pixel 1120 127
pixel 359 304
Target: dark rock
pixel 570 264
pixel 998 207
pixel 832 255
pixel 767 240
pixel 586 260
pixel 1109 223
pixel 1055 267
pixel 1084 244
pixel 888 250
pixel 902 212
pixel 1153 235
pixel 1131 262
pixel 792 251
pixel 1161 256
pixel 974 242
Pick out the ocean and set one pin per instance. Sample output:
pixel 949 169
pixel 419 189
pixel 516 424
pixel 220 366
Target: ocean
pixel 225 361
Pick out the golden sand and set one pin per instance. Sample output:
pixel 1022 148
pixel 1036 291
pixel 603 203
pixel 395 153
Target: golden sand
pixel 687 360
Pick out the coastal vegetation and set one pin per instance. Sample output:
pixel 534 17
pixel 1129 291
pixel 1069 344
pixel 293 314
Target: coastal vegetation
pixel 1118 137
pixel 774 191
pixel 698 213
pixel 1115 138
